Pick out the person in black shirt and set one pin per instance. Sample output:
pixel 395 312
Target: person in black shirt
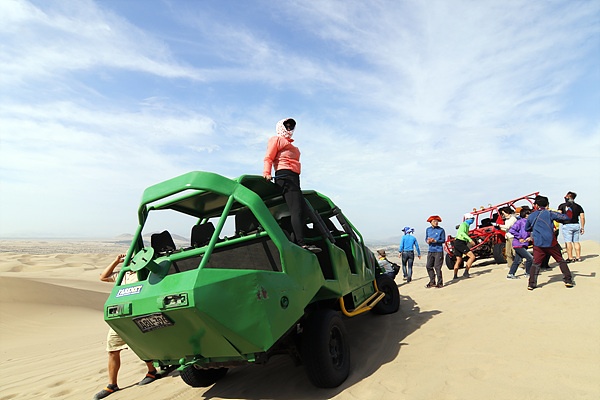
pixel 573 227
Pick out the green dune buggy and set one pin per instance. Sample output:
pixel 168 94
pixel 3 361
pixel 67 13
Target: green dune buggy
pixel 239 291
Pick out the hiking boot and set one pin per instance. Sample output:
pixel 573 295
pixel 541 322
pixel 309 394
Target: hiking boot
pixel 108 390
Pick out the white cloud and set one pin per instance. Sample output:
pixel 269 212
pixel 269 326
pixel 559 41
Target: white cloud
pixel 65 36
pixel 404 108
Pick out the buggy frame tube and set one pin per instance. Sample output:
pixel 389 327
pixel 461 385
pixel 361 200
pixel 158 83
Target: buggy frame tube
pixel 215 236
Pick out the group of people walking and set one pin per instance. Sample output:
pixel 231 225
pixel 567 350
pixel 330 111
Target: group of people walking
pixel 537 227
pixel 540 227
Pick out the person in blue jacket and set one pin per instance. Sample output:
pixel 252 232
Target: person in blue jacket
pixel 435 236
pixel 541 225
pixel 407 252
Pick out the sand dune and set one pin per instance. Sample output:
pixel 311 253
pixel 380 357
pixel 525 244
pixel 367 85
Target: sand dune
pixel 483 337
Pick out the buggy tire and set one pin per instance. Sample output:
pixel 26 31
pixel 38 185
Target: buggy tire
pixel 450 261
pixel 196 377
pixel 499 253
pixel 325 349
pixel 391 302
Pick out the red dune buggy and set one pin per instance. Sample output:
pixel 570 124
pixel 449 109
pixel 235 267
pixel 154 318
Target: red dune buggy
pixel 489 240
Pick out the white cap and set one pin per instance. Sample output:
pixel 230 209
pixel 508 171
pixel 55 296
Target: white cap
pixel 468 216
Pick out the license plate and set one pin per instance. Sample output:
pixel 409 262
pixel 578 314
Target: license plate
pixel 151 322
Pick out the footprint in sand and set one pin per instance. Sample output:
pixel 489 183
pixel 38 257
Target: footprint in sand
pixel 58 383
pixel 61 394
pixel 477 374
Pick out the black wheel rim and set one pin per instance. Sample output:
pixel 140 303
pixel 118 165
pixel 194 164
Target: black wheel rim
pixel 388 295
pixel 336 347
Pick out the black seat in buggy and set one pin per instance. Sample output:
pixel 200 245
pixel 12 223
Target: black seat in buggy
pixel 162 243
pixel 246 223
pixel 201 234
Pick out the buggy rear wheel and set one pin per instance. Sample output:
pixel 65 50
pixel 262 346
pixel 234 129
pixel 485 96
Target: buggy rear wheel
pixel 197 377
pixel 499 253
pixel 325 349
pixel 391 302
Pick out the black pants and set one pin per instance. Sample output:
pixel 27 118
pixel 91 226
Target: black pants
pixel 434 267
pixel 290 183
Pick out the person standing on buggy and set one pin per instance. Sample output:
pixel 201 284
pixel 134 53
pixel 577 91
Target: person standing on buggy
pixel 408 245
pixel 284 158
pixel 435 236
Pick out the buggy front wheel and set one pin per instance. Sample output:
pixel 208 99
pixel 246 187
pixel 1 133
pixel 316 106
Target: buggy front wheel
pixel 450 261
pixel 197 377
pixel 391 302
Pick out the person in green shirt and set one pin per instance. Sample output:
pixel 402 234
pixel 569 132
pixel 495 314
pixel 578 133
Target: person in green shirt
pixel 461 246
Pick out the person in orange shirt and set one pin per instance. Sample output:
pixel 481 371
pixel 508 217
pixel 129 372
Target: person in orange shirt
pixel 284 158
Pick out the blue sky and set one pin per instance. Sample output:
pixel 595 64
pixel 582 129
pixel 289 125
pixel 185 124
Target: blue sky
pixel 404 108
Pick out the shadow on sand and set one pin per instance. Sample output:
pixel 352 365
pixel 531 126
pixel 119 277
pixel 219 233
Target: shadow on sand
pixel 556 275
pixel 375 340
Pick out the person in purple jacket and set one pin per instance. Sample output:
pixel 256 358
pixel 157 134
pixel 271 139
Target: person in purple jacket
pixel 520 242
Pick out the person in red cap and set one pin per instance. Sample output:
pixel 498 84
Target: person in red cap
pixel 435 236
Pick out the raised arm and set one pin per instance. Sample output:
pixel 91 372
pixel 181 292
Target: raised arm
pixel 417 247
pixel 107 274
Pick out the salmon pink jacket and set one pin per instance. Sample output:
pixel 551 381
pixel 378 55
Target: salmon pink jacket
pixel 281 154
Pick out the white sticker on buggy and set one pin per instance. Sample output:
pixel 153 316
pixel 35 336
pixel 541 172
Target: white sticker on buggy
pixel 129 291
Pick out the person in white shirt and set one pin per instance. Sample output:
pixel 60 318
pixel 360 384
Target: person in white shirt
pixel 509 217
